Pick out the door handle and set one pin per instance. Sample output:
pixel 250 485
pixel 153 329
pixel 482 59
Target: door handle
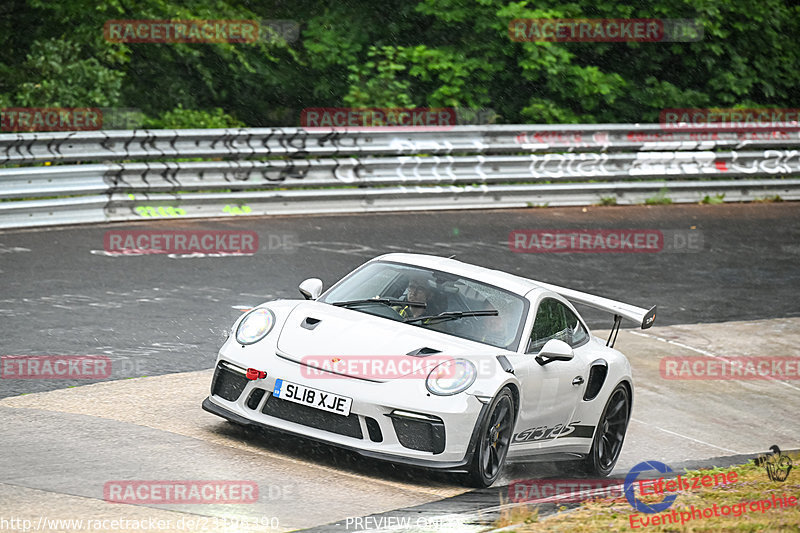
pixel 577 380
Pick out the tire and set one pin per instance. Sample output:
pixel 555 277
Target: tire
pixel 494 438
pixel 610 435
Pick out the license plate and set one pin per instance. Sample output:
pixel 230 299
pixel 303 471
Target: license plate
pixel 327 401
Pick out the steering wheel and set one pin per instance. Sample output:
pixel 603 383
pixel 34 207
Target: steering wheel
pixel 388 311
pixel 382 310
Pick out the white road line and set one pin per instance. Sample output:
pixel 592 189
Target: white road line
pixel 689 438
pixel 709 354
pixel 676 343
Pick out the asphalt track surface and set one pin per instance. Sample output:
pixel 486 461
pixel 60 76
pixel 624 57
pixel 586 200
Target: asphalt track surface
pixel 164 316
pixel 155 314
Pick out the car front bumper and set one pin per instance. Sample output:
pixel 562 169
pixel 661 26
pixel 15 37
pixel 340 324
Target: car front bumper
pixel 393 421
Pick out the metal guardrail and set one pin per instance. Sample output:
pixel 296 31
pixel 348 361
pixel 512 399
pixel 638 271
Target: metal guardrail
pixel 130 175
pixel 102 145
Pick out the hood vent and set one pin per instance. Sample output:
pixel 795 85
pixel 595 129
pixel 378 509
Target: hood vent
pixel 309 323
pixel 423 352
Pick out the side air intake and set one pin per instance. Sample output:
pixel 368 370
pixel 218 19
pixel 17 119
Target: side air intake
pixel 597 376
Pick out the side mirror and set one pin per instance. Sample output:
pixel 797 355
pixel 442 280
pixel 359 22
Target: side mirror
pixel 555 350
pixel 311 288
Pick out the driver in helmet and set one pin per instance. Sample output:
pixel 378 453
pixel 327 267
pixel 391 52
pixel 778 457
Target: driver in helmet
pixel 419 290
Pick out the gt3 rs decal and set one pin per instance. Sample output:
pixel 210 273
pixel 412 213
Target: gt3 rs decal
pixel 547 433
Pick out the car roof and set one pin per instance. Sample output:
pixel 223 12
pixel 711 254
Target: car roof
pixel 509 282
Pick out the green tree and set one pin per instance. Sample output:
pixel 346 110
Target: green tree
pixel 399 53
pixel 55 74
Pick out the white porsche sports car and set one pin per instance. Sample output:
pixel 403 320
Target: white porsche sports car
pixel 435 363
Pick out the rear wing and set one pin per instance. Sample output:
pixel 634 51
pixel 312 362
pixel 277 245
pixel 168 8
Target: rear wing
pixel 644 317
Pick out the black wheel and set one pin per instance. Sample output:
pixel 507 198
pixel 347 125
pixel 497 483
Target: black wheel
pixel 494 437
pixel 610 434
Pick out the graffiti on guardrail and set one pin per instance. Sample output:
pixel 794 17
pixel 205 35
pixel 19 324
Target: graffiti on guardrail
pixel 709 136
pixel 174 177
pixel 658 163
pixel 650 140
pixel 770 161
pixel 159 211
pixel 298 143
pixel 562 138
pixel 160 144
pixel 235 176
pixel 497 163
pixel 237 209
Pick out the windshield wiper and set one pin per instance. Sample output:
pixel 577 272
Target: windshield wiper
pixel 453 315
pixel 385 301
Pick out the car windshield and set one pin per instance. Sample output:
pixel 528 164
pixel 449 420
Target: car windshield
pixel 432 299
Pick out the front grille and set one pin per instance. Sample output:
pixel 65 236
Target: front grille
pixel 228 384
pixel 422 435
pixel 348 426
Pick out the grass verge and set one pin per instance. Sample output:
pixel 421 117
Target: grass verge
pixel 752 485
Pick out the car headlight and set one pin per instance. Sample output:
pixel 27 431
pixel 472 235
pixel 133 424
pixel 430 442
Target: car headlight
pixel 255 326
pixel 451 377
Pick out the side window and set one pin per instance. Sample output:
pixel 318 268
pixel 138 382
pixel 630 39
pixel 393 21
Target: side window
pixel 554 320
pixel 577 333
pixel 550 323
